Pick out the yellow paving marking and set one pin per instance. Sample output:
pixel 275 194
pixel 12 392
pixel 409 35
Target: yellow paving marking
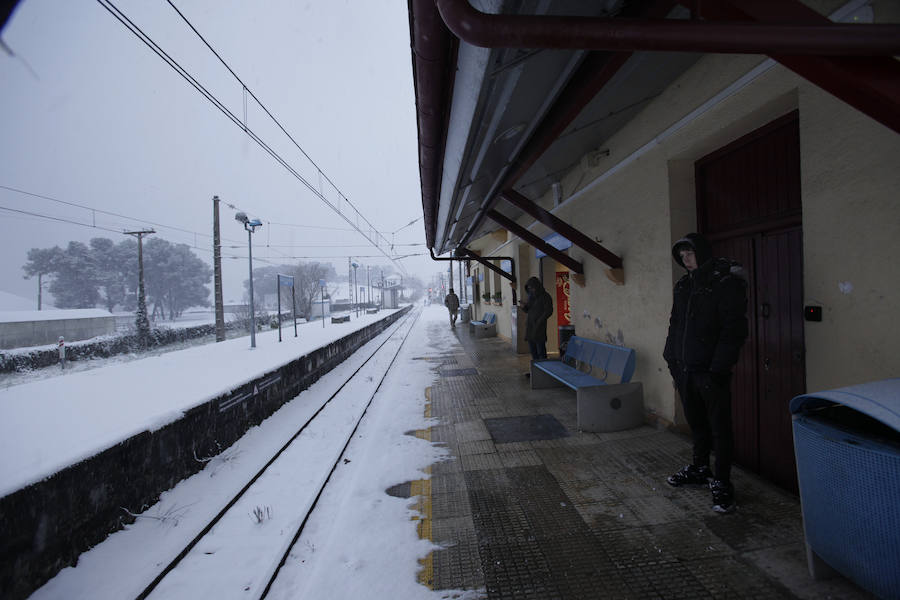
pixel 420 489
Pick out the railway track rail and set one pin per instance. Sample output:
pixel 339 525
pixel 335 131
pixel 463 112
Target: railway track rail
pixel 281 459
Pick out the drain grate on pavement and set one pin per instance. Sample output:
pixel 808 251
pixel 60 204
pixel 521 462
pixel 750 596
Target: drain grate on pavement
pixel 528 428
pixel 459 372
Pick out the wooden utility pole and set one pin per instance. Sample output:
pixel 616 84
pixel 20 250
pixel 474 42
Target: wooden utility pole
pixel 217 274
pixel 141 321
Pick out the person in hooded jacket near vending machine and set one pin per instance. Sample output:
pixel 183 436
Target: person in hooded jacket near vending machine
pixel 539 307
pixel 707 328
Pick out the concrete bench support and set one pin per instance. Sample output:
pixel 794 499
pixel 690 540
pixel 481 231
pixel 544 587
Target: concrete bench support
pixel 614 407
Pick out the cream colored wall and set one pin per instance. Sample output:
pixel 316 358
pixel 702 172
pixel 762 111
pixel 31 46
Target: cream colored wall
pixel 851 243
pixel 850 178
pixel 851 203
pixel 630 217
pixel 485 247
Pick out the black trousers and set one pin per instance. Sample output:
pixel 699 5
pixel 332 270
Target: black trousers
pixel 707 407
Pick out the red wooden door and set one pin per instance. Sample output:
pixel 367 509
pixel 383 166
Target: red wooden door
pixel 782 372
pixel 745 384
pixel 748 205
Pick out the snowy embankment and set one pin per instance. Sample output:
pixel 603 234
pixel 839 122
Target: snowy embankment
pixel 48 425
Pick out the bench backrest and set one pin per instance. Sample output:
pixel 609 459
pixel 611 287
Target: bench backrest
pixel 603 359
pixel 490 318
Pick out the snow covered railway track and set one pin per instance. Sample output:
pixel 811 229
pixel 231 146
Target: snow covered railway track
pixel 258 527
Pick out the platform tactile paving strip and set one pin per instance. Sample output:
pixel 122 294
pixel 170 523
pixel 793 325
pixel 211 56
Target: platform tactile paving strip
pixel 458 564
pixel 476 447
pixel 469 372
pixel 451 504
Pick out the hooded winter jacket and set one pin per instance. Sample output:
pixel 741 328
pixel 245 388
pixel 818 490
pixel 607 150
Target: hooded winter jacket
pixel 708 324
pixel 539 307
pixel 451 301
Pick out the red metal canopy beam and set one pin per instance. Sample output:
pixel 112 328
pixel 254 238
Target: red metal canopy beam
pixel 562 228
pixel 869 84
pixel 486 262
pixel 601 33
pixel 592 75
pixel 557 255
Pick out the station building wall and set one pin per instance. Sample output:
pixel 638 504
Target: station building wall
pixel 638 207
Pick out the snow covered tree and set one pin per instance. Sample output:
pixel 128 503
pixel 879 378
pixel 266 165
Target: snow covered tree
pixel 76 284
pixel 41 261
pixel 176 279
pixel 116 269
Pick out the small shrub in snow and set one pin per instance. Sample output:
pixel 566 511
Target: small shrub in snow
pixel 260 514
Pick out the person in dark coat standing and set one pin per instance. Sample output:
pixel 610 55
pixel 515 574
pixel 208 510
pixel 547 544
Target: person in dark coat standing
pixel 707 329
pixel 539 307
pixel 451 301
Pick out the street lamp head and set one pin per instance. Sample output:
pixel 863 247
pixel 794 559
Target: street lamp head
pixel 242 217
pixel 255 223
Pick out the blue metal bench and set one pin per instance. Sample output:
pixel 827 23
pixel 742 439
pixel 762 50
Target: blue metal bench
pixel 486 327
pixel 601 375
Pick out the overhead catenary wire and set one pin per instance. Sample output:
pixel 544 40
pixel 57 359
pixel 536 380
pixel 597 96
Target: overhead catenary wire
pixel 95 226
pixel 106 212
pixel 248 91
pixel 330 257
pixel 60 219
pixel 330 245
pixel 150 43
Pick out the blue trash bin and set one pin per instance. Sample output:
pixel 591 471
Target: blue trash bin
pixel 847 444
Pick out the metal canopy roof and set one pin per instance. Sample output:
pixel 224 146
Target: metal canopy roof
pixel 499 118
pixel 517 88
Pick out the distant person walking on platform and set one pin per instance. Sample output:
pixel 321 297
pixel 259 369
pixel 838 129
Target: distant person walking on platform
pixel 451 301
pixel 707 328
pixel 539 307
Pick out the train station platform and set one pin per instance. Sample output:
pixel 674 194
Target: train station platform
pixel 528 507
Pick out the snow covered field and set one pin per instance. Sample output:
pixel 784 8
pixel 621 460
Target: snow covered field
pixel 359 542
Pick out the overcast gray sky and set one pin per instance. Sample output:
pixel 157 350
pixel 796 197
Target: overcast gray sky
pixel 92 116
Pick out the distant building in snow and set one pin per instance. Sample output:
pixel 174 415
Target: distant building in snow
pixel 23 328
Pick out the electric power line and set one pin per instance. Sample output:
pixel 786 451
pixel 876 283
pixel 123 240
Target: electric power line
pixel 94 226
pixel 148 41
pixel 310 226
pixel 32 214
pixel 271 116
pixel 329 245
pixel 105 212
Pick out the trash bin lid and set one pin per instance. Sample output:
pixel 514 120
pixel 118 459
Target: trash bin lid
pixel 877 399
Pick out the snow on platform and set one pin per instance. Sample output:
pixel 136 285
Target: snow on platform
pixel 48 425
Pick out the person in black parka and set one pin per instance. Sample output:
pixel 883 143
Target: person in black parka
pixel 451 301
pixel 707 329
pixel 539 306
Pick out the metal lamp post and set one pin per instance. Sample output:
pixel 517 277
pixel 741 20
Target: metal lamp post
pixel 250 226
pixel 355 266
